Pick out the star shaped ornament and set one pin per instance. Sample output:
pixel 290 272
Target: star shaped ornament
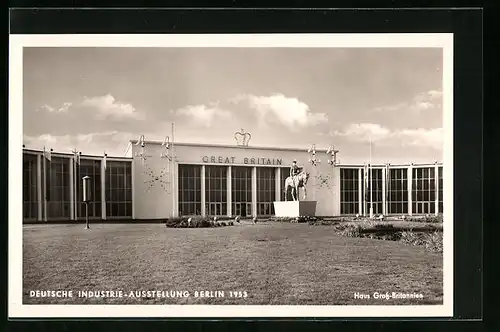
pixel 162 179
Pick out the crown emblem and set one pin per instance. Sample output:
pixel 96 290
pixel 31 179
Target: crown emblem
pixel 242 137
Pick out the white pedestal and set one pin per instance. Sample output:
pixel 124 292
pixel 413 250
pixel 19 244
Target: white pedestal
pixel 295 208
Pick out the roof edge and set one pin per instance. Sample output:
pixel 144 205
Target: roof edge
pixel 133 142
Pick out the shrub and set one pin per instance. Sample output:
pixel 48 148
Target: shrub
pixel 434 219
pixel 322 222
pixel 426 219
pixel 195 222
pixel 431 241
pixel 307 219
pixel 434 242
pixel 301 219
pixel 411 238
pixel 383 226
pixel 392 236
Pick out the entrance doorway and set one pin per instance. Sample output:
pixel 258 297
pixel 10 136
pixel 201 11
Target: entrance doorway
pixel 243 209
pixel 214 209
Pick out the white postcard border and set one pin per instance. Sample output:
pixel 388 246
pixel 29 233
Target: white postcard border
pixel 15 237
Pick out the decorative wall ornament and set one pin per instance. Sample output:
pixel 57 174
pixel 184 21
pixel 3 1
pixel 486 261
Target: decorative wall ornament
pixel 76 156
pixel 313 160
pixel 333 152
pixel 162 179
pixel 323 181
pixel 242 138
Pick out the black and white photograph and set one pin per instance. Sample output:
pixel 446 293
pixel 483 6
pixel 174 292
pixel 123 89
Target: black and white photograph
pixel 231 175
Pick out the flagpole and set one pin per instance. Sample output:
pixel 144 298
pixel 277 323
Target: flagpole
pixel 75 192
pixel 74 186
pixel 172 171
pixel 44 185
pixel 371 178
pixel 79 173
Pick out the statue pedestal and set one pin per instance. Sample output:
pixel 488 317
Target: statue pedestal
pixel 295 209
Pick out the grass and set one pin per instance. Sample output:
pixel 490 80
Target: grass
pixel 275 263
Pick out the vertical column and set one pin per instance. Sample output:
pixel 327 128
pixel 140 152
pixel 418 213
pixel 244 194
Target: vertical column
pixel 384 187
pixel 436 189
pixel 365 189
pixel 134 184
pixel 410 185
pixel 103 189
pixel 254 191
pixel 360 191
pixel 175 207
pixel 336 190
pixel 370 186
pixel 229 192
pixel 313 187
pixel 72 197
pixel 203 209
pixel 39 186
pixel 277 178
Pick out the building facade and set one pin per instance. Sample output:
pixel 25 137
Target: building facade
pixel 217 180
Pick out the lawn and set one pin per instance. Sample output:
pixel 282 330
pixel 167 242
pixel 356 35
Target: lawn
pixel 275 263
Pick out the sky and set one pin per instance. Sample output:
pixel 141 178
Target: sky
pixel 97 99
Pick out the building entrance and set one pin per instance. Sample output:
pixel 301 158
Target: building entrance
pixel 214 209
pixel 243 209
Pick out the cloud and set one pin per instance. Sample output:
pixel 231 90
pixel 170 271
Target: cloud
pixel 47 108
pixel 363 131
pixel 113 142
pixel 288 111
pixel 105 107
pixel 422 137
pixel 63 109
pixel 204 115
pixel 108 107
pixel 246 110
pixel 430 100
pixel 45 138
pixel 380 135
pixel 433 94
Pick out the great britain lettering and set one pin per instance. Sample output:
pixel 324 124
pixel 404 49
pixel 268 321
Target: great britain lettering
pixel 245 160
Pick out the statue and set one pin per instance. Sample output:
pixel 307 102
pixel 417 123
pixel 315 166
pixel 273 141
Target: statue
pixel 297 179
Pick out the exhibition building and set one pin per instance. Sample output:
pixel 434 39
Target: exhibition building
pixel 157 180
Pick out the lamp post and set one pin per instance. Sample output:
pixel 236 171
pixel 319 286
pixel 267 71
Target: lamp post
pixel 86 198
pixel 169 154
pixel 166 145
pixel 172 170
pixel 141 141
